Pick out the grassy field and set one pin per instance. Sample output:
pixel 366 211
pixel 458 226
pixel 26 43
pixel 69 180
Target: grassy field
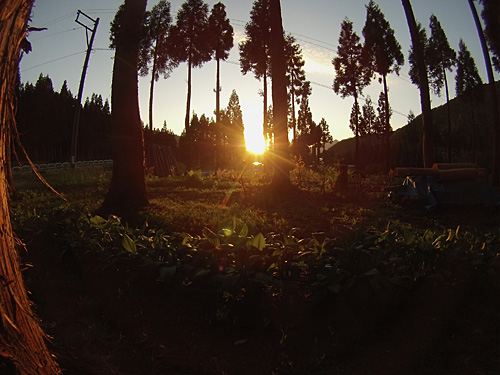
pixel 220 276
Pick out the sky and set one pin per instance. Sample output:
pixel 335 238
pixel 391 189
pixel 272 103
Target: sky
pixel 59 52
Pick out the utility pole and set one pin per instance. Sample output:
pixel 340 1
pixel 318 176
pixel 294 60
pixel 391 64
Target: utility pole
pixel 76 120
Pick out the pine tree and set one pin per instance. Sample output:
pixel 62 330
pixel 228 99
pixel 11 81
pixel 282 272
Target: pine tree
pixel 221 33
pixel 352 73
pixel 382 46
pixel 441 57
pixel 418 48
pixel 191 38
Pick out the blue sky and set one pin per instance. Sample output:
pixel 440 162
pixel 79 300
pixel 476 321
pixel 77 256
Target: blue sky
pixel 60 50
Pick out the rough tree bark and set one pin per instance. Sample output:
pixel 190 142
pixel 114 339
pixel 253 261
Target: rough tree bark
pixel 127 190
pixel 281 154
pixel 21 338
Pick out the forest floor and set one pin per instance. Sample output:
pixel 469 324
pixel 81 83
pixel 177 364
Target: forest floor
pixel 99 321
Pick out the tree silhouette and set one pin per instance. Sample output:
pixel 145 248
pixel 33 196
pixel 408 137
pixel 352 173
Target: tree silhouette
pixel 441 57
pixel 192 41
pixel 156 50
pixel 21 338
pixel 352 72
pixel 467 81
pixel 235 131
pixel 368 119
pixel 425 98
pixel 221 33
pixel 295 75
pixel 386 56
pixel 282 165
pixel 254 50
pixel 127 190
pixel 326 137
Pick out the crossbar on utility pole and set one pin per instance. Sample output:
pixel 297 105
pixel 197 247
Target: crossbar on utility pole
pixel 76 120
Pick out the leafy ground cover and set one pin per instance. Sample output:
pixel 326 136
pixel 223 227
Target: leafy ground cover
pixel 218 276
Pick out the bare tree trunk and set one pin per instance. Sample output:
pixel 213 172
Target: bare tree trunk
pixel 387 130
pixel 264 94
pixel 127 190
pixel 188 100
pixel 495 174
pixel 425 98
pixel 282 164
pixel 450 146
pixel 356 131
pixel 21 338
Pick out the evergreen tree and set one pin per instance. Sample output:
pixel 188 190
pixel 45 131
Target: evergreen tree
pixel 156 49
pixel 295 76
pixel 191 38
pixel 235 131
pixel 441 57
pixel 221 33
pixel 467 82
pixel 369 118
pixel 418 49
pixel 386 56
pixel 326 137
pixel 352 72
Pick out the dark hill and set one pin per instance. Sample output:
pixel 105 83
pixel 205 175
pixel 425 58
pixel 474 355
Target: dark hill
pixel 406 142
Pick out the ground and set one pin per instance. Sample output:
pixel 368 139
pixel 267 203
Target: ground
pixel 100 320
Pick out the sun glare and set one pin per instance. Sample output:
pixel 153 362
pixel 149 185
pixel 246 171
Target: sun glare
pixel 254 141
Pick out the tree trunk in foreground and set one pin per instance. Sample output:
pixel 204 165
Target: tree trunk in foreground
pixel 127 190
pixel 21 338
pixel 281 153
pixel 425 98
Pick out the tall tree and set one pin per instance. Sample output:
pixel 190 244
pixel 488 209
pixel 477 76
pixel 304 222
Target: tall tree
pixel 369 118
pixel 21 338
pixel 127 190
pixel 156 50
pixel 441 57
pixel 192 41
pixel 385 51
pixel 467 81
pixel 296 76
pixel 352 72
pixel 221 33
pixel 491 84
pixel 425 98
pixel 326 137
pixel 254 50
pixel 235 132
pixel 282 165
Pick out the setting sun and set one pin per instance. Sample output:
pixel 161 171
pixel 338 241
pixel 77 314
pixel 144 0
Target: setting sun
pixel 254 139
pixel 255 142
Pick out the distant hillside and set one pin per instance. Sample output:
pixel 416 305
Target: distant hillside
pixel 406 142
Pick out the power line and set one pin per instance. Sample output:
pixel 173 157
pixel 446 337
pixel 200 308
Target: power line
pixel 51 61
pixel 59 19
pixel 59 32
